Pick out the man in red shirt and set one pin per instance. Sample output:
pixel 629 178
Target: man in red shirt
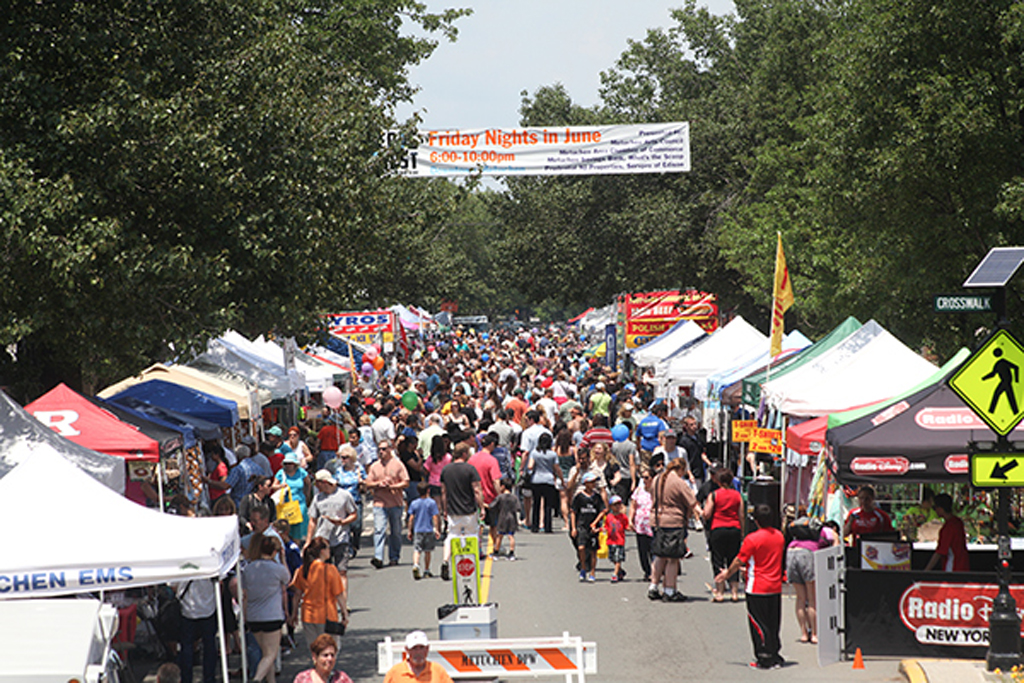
pixel 951 553
pixel 762 553
pixel 490 474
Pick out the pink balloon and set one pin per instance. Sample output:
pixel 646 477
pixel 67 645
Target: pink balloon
pixel 370 354
pixel 333 397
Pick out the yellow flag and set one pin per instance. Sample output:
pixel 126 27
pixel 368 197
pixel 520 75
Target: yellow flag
pixel 782 298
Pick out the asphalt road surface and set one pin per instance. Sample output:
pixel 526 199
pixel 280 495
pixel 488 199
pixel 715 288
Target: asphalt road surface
pixel 539 594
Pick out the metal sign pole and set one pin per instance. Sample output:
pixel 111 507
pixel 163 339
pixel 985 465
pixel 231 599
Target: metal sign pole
pixel 1004 622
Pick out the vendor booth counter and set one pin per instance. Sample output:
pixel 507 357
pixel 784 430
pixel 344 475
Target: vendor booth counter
pixel 925 614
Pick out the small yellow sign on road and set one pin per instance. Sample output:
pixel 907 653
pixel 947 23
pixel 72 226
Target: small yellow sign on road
pixel 997 469
pixel 990 382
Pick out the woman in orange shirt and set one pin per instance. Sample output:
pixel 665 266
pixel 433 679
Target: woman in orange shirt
pixel 318 588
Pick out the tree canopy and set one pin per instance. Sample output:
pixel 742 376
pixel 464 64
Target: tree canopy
pixel 172 168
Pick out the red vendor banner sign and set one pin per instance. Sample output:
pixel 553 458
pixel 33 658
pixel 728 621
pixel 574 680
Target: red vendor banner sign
pixel 648 314
pixel 362 327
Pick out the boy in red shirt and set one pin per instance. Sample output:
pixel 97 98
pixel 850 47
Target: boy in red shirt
pixel 615 525
pixel 952 548
pixel 762 553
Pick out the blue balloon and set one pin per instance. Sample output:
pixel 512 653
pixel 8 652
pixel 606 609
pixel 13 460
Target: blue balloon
pixel 620 432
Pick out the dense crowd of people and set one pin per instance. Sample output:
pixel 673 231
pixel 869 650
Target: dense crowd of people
pixel 490 434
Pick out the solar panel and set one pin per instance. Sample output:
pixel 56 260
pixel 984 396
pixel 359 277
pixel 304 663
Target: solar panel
pixel 996 269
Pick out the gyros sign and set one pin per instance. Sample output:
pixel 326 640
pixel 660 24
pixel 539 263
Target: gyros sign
pixel 951 614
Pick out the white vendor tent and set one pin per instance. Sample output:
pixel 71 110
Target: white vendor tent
pixel 106 541
pixel 721 350
pixel 221 353
pixel 681 335
pixel 868 366
pixel 22 437
pixel 710 387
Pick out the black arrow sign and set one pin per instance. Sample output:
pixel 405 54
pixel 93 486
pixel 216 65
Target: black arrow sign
pixel 999 471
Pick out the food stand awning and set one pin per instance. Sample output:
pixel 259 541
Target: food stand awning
pixel 22 436
pixel 73 416
pixel 751 385
pixel 722 349
pixel 244 397
pixel 107 543
pixel 863 369
pixel 919 437
pixel 682 335
pixel 184 400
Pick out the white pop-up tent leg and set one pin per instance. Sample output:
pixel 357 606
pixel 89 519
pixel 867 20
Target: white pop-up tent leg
pixel 220 631
pixel 241 618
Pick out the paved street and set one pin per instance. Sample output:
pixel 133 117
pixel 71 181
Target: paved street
pixel 539 595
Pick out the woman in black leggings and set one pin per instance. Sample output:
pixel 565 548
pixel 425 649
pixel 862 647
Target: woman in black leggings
pixel 544 470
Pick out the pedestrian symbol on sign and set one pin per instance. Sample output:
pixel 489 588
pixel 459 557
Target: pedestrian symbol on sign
pixel 1009 375
pixel 989 382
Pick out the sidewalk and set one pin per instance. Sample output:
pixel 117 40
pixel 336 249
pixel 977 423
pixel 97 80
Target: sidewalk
pixel 953 671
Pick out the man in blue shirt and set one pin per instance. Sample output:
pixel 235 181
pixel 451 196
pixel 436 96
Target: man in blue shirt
pixel 650 427
pixel 240 478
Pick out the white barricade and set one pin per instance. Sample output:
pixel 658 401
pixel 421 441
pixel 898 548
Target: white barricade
pixel 567 656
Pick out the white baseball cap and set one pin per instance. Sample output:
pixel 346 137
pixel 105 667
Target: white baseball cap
pixel 415 639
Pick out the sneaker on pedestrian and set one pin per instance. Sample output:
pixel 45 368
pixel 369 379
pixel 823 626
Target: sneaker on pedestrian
pixel 688 555
pixel 591 578
pixel 416 574
pixel 511 557
pixel 622 575
pixel 583 576
pixel 446 574
pixel 653 593
pixel 675 597
pixel 494 557
pixel 377 563
pixel 428 574
pixel 615 579
pixel 393 563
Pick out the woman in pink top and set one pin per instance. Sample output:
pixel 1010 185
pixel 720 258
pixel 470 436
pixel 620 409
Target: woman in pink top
pixel 438 460
pixel 722 511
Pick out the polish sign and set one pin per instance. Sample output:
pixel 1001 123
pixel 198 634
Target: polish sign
pixel 552 150
pixel 648 314
pixel 950 613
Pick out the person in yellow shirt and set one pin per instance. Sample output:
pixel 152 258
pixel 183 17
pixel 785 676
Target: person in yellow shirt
pixel 415 666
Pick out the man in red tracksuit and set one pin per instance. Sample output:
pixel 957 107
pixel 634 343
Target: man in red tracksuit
pixel 762 553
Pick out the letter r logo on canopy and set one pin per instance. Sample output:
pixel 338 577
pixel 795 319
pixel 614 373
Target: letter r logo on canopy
pixel 60 421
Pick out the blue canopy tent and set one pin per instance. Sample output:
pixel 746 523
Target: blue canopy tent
pixel 184 400
pixel 192 428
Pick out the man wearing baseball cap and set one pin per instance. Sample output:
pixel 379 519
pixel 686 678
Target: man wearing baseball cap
pixel 415 666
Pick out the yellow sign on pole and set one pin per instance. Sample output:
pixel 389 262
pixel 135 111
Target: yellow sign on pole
pixel 743 430
pixel 766 441
pixel 990 382
pixel 997 469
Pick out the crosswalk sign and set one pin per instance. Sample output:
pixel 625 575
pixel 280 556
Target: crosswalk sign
pixel 989 382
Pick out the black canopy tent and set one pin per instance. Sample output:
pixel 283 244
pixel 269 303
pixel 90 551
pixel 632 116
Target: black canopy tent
pixel 920 438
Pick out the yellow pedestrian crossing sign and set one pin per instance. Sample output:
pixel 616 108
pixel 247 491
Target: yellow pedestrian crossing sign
pixel 989 382
pixel 997 469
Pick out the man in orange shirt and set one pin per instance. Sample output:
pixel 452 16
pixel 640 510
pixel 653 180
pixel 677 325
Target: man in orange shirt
pixel 415 666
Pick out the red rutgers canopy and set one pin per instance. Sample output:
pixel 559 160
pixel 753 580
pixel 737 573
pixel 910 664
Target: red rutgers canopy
pixel 76 418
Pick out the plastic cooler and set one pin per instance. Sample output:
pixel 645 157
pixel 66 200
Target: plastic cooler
pixel 468 622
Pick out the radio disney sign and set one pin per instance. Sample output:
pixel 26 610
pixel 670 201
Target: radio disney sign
pixel 895 465
pixel 951 614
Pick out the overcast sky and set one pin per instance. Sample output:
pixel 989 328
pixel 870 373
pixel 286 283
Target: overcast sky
pixel 508 46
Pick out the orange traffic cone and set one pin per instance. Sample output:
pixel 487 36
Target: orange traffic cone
pixel 858 660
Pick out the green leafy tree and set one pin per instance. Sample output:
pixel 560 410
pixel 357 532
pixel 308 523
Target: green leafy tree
pixel 170 169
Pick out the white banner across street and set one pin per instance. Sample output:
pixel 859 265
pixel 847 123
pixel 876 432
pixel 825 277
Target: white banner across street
pixel 573 150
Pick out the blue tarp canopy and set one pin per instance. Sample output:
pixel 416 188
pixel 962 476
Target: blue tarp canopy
pixel 192 428
pixel 183 400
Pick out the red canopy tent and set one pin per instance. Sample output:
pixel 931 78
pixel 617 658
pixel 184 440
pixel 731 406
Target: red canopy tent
pixel 73 416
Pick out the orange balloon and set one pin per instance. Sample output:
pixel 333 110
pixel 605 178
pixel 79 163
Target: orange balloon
pixel 378 363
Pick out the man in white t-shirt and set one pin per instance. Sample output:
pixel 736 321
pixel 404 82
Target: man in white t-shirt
pixel 383 428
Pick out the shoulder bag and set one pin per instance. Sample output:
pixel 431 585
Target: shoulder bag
pixel 669 543
pixel 335 628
